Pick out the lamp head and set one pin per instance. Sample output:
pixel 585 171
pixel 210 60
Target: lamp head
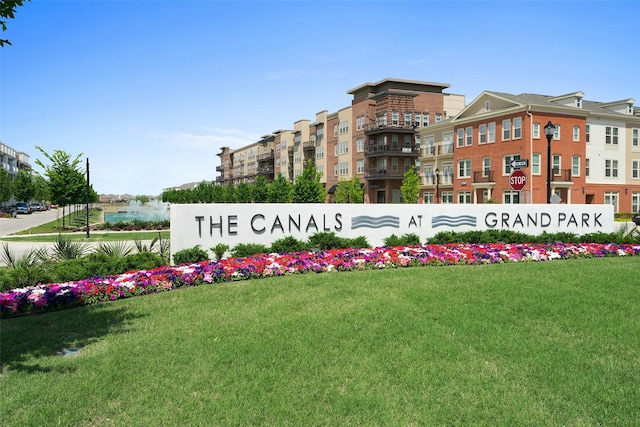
pixel 549 129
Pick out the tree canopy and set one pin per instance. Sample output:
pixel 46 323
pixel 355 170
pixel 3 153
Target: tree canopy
pixel 410 187
pixel 349 191
pixel 7 11
pixel 307 188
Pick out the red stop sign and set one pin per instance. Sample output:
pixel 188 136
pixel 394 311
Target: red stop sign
pixel 517 180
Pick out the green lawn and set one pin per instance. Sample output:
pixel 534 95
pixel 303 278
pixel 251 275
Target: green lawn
pixel 540 344
pixel 93 236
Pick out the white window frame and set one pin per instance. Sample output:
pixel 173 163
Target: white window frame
pixel 491 137
pixel 468 137
pixel 635 170
pixel 506 129
pixel 460 138
pixel 464 197
pixel 611 168
pixel 517 127
pixel 536 131
pixel 464 168
pixel 360 145
pixel 576 133
pixel 510 197
pixel 360 166
pixel 486 166
pixel 482 133
pixel 575 166
pixel 535 163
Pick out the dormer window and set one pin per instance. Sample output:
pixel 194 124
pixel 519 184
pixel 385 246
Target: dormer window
pixel 578 102
pixel 630 109
pixel 487 105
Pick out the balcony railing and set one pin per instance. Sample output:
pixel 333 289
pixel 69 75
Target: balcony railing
pixel 308 145
pixel 219 169
pixel 396 150
pixel 265 170
pixel 266 156
pixel 561 175
pixel 375 173
pixel 483 176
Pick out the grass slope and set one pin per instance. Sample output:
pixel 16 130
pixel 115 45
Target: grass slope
pixel 550 343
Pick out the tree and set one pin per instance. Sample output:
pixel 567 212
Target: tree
pixel 23 188
pixel 5 186
pixel 410 187
pixel 243 193
pixel 308 188
pixel 228 195
pixel 41 188
pixel 8 10
pixel 67 184
pixel 260 189
pixel 349 191
pixel 280 190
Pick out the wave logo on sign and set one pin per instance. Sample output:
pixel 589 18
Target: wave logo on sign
pixel 453 221
pixel 364 221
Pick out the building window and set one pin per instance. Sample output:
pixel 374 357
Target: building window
pixel 469 137
pixel 344 168
pixel 576 134
pixel 335 130
pixel 360 145
pixel 635 138
pixel 394 164
pixel 297 157
pixel 447 174
pixel 464 168
pixel 556 133
pixel 611 198
pixel 635 170
pixel 427 198
pixel 535 163
pixel 438 117
pixel 635 202
pixel 407 119
pixel 360 166
pixel 447 143
pixel 575 166
pixel 506 129
pixel 464 197
pixel 460 139
pixel 511 197
pixel 407 141
pixel 492 132
pixel 319 152
pixel 482 134
pixel 611 168
pixel 611 135
pixel 487 105
pixel 395 118
pixel 486 166
pixel 335 150
pixel 555 164
pixel 344 126
pixel 517 127
pixel 425 119
pixel 417 116
pixel 507 163
pixel 344 147
pixel 587 132
pixel 586 167
pixel 447 197
pixel 536 130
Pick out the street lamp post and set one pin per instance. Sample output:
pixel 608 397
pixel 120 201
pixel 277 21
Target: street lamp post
pixel 437 184
pixel 549 130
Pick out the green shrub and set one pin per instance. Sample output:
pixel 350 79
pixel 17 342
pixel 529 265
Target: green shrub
pixel 248 249
pixel 359 242
pixel 289 244
pixel 190 256
pixel 11 278
pixel 409 239
pixel 324 241
pixel 219 250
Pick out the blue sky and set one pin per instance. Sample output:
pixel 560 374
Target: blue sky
pixel 150 90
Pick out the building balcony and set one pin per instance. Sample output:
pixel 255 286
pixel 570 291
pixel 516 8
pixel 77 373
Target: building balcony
pixel 266 156
pixel 266 170
pixel 375 129
pixel 219 169
pixel 483 176
pixel 391 150
pixel 561 175
pixel 375 173
pixel 309 146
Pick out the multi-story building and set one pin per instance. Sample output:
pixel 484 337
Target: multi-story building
pixel 593 154
pixel 13 161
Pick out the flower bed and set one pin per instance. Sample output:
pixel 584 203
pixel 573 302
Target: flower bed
pixel 55 296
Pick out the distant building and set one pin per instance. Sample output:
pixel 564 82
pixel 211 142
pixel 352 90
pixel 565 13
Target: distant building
pixel 12 161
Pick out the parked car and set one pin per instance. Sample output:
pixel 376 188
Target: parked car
pixel 39 207
pixel 636 219
pixel 8 211
pixel 23 208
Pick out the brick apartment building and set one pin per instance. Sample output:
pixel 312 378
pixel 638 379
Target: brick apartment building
pixel 463 153
pixel 595 151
